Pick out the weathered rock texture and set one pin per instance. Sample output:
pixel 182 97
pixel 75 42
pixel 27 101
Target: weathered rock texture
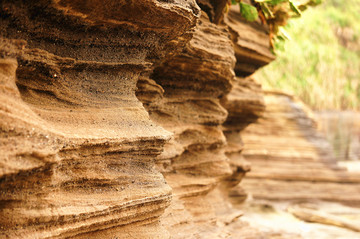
pixel 290 160
pixel 193 162
pixel 77 146
pixel 81 156
pixel 192 95
pixel 251 44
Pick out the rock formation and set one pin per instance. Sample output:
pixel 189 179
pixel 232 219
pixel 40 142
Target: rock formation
pixel 290 159
pixel 78 148
pixel 192 95
pixel 126 119
pixel 112 113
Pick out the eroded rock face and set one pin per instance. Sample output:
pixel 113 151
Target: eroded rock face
pixel 291 160
pixel 190 85
pixel 197 96
pixel 112 111
pixel 251 43
pixel 245 105
pixel 78 148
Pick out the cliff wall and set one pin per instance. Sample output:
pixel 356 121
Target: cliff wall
pixel 122 119
pixel 291 160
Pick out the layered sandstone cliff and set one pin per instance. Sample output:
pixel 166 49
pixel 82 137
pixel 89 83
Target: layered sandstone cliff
pixel 121 119
pixel 295 184
pixel 291 160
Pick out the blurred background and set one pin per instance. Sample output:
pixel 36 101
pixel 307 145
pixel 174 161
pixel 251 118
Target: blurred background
pixel 320 64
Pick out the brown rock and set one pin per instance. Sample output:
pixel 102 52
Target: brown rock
pixel 291 160
pixel 112 118
pixel 193 162
pixel 251 43
pixel 77 147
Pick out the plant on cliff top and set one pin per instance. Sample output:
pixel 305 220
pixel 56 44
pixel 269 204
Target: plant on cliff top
pixel 274 13
pixel 321 62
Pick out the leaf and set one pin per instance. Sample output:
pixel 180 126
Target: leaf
pixel 276 2
pixel 283 33
pixel 249 12
pixel 233 2
pixel 294 8
pixel 260 1
pixel 266 10
pixel 315 2
pixel 273 2
pixel 226 9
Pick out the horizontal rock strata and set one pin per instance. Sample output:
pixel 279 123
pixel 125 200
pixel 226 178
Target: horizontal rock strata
pixel 192 95
pixel 193 162
pixel 245 105
pixel 77 147
pixel 291 160
pixel 122 119
pixel 251 43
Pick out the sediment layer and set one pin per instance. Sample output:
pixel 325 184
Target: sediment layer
pixel 122 118
pixel 291 160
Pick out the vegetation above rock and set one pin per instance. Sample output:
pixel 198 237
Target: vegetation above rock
pixel 320 63
pixel 274 13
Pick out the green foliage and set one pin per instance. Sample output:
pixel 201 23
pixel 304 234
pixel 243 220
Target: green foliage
pixel 248 12
pixel 273 12
pixel 294 8
pixel 321 64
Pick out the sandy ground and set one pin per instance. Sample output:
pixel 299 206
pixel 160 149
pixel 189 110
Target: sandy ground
pixel 273 216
